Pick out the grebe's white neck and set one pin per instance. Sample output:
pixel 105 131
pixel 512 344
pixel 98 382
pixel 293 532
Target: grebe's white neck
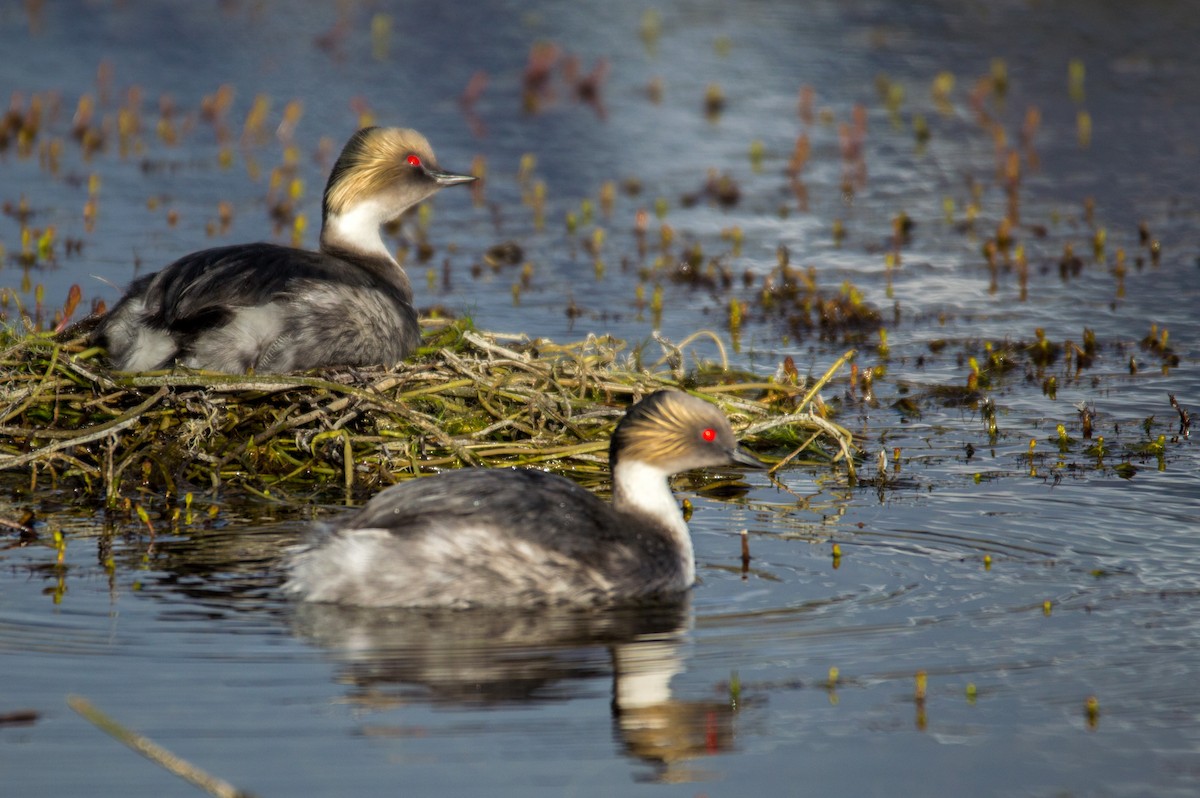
pixel 357 229
pixel 642 488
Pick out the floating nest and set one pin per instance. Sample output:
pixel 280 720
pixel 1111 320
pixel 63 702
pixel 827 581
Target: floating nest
pixel 467 398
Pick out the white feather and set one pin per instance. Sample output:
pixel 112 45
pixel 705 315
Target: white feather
pixel 644 487
pixel 357 228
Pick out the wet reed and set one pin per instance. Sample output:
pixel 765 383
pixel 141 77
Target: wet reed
pixel 467 398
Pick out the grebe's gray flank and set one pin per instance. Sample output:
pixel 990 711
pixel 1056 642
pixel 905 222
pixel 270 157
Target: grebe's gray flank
pixel 521 537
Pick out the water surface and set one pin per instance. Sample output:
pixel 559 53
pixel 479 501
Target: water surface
pixel 1019 583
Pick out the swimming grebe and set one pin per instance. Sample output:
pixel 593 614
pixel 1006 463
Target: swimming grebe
pixel 277 309
pixel 519 537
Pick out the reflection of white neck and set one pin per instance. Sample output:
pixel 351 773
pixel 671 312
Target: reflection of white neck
pixel 357 228
pixel 642 673
pixel 641 488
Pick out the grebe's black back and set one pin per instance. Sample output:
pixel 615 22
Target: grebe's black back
pixel 276 309
pixel 520 537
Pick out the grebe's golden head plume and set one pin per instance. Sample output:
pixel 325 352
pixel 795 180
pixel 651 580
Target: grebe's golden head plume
pixel 674 431
pixel 393 165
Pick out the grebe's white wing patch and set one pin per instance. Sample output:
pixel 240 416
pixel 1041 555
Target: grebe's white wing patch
pixel 134 345
pixel 151 349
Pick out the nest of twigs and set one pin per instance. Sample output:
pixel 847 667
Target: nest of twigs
pixel 466 398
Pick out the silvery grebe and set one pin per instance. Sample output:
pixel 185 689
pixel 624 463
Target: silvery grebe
pixel 520 537
pixel 276 309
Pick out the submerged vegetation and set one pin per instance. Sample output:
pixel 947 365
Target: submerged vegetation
pixel 467 398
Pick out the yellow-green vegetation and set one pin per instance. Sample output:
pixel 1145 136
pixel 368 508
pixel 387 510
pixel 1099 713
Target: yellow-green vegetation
pixel 466 398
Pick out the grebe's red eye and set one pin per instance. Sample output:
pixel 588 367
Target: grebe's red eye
pixel 414 160
pixel 709 434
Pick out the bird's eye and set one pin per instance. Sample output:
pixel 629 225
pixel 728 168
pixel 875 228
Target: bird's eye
pixel 413 160
pixel 709 434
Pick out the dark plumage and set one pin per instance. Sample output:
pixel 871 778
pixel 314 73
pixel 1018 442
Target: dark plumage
pixel 524 537
pixel 275 308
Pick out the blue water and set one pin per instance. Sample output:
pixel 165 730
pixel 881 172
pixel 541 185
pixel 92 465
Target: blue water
pixel 1020 584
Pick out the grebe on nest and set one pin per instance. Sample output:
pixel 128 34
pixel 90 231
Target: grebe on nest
pixel 275 309
pixel 520 537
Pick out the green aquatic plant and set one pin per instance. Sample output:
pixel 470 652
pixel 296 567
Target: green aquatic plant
pixel 1062 440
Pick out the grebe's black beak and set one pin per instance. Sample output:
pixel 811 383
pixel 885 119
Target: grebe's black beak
pixel 449 178
pixel 742 456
